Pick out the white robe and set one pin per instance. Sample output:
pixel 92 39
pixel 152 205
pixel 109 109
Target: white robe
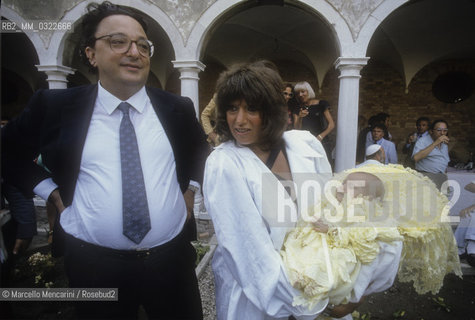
pixel 250 280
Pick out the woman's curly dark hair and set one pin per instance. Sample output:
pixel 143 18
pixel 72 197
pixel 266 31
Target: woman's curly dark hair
pixel 95 14
pixel 260 85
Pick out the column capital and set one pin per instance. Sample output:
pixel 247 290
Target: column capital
pixel 57 75
pixel 347 61
pixel 350 67
pixel 189 64
pixel 189 78
pixel 189 69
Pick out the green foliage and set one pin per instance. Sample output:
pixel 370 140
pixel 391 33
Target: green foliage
pixel 357 316
pixel 200 251
pixel 42 267
pixel 399 314
pixel 440 301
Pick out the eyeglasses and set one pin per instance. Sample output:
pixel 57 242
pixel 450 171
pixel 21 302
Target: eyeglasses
pixel 442 130
pixel 288 94
pixel 120 43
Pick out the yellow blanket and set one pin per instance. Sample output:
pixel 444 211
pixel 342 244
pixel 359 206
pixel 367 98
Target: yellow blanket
pixel 326 265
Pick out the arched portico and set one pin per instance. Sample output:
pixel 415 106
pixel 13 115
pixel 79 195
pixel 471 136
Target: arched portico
pixel 34 37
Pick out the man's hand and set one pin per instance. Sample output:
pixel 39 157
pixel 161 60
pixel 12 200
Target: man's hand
pixel 21 245
pixel 55 199
pixel 470 187
pixel 467 211
pixel 189 201
pixel 440 140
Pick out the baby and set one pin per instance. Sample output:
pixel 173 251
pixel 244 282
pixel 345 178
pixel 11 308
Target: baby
pixel 345 261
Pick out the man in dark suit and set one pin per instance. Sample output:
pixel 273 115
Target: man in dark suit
pixel 123 160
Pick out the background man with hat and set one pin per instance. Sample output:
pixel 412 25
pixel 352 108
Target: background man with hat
pixel 378 132
pixel 374 155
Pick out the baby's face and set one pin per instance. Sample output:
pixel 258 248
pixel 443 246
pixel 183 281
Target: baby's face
pixel 361 184
pixel 353 189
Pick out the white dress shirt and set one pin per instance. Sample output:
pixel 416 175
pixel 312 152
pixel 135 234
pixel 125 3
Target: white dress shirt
pixel 95 214
pixel 436 161
pixel 370 162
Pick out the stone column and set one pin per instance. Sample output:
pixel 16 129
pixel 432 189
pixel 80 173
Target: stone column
pixel 57 75
pixel 189 80
pixel 347 121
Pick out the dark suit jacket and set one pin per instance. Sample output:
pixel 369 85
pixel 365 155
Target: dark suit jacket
pixel 55 124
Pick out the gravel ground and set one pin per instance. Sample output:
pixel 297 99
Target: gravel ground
pixel 206 284
pixel 455 301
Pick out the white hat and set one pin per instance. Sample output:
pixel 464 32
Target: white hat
pixel 372 149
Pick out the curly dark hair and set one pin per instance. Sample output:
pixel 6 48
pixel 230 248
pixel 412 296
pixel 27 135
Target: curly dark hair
pixel 419 120
pixel 95 14
pixel 260 85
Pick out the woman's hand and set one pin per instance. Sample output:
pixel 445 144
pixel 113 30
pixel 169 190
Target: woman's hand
pixel 342 310
pixel 320 226
pixel 303 112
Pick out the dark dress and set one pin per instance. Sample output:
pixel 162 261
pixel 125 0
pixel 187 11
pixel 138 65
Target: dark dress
pixel 316 123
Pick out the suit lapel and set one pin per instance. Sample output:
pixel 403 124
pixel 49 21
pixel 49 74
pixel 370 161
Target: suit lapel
pixel 75 121
pixel 169 117
pixel 165 111
pixel 76 117
pixel 173 121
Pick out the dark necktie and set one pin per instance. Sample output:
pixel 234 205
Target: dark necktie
pixel 136 223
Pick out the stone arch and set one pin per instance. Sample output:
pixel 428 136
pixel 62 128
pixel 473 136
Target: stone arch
pixel 342 31
pixel 204 26
pixel 59 38
pixel 34 37
pixel 373 21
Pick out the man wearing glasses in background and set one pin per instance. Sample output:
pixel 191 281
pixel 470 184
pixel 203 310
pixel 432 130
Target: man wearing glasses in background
pixel 431 152
pixel 121 157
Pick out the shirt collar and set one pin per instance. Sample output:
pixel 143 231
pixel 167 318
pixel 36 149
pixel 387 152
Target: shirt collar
pixel 110 102
pixel 424 134
pixel 372 161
